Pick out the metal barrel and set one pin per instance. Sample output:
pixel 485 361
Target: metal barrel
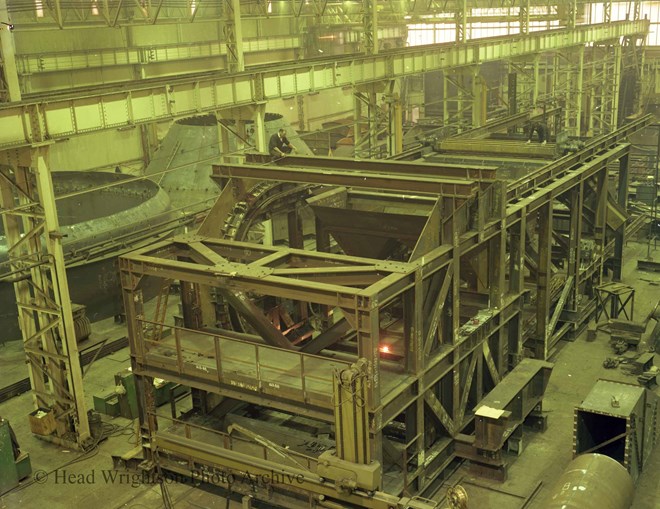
pixel 592 481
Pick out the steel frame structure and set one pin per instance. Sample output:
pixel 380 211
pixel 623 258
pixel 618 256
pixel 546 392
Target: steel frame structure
pixel 108 107
pixel 36 268
pixel 477 293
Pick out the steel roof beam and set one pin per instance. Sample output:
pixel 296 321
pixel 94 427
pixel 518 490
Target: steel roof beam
pixel 57 117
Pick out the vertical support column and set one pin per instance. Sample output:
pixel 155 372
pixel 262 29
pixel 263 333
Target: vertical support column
pixel 190 306
pixel 322 245
pixel 357 122
pixel 607 11
pixel 133 309
pixel 460 17
pixel 512 94
pixel 418 368
pixel 578 91
pixel 574 248
pixel 479 98
pixel 555 74
pixel 233 32
pixel 571 13
pixel 34 246
pixel 620 234
pixel 300 103
pixel 14 226
pixel 395 121
pixel 146 407
pixel 591 99
pixel 543 283
pixel 496 283
pixel 524 17
pixel 496 261
pixel 616 84
pixel 537 82
pixel 643 71
pixel 60 289
pixel 517 240
pixel 260 127
pixel 297 241
pixel 568 91
pixel 149 139
pixel 456 289
pixel 8 58
pixel 370 27
pixel 295 230
pixel 445 98
pixel 322 237
pixel 351 417
pixel 368 333
pixel 600 228
pixel 372 122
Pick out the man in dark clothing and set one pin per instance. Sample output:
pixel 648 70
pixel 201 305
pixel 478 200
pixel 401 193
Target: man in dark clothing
pixel 279 145
pixel 541 129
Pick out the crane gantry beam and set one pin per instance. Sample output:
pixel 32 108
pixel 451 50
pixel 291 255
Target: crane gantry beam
pixel 57 117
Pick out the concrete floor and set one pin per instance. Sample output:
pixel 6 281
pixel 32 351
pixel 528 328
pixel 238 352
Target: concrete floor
pixel 577 366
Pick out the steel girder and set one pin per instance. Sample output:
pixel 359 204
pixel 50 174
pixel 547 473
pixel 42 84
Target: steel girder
pixel 41 119
pixel 36 269
pixel 463 322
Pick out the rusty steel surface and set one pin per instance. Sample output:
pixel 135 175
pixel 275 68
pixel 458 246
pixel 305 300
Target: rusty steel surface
pixel 435 311
pixel 453 187
pixel 447 170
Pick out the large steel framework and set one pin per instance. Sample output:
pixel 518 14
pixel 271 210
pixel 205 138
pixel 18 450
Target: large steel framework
pixel 36 268
pixel 450 276
pixel 110 107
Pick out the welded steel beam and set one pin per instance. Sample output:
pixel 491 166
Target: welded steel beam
pixel 333 288
pixel 501 124
pixel 448 170
pixel 500 147
pixel 42 118
pixel 551 171
pixel 417 184
pixel 60 61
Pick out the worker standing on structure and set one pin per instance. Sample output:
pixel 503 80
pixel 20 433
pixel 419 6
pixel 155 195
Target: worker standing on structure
pixel 541 129
pixel 279 145
pixel 538 126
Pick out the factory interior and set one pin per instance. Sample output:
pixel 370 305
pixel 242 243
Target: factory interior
pixel 329 254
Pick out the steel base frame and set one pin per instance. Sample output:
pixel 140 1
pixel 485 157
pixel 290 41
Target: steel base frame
pixel 481 289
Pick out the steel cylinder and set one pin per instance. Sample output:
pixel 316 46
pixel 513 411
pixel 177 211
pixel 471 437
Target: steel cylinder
pixel 592 481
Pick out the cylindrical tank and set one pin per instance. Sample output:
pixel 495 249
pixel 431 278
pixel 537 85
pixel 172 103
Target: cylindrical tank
pixel 592 481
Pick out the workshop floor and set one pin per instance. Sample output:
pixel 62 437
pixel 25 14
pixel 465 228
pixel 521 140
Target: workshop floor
pixel 577 367
pixel 64 478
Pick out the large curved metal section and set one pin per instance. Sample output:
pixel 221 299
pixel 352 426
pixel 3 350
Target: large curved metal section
pixel 98 208
pixel 101 215
pixel 592 481
pixel 263 199
pixel 128 212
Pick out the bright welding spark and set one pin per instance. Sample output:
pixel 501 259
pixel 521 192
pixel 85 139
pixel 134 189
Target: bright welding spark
pixel 385 349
